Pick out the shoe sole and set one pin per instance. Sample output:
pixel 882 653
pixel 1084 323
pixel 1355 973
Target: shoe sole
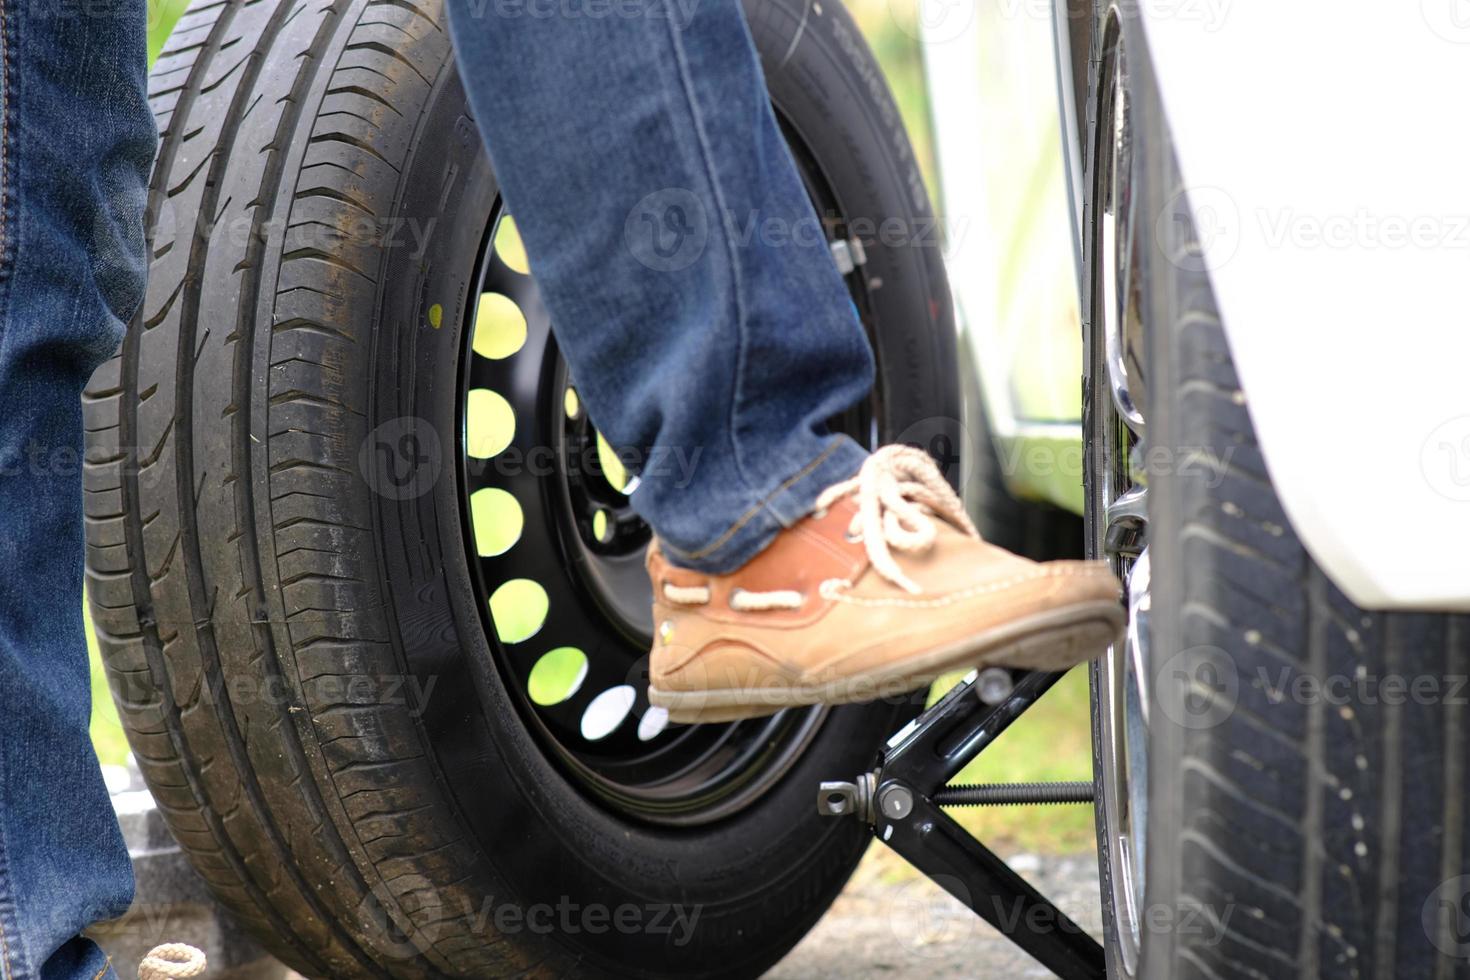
pixel 1051 641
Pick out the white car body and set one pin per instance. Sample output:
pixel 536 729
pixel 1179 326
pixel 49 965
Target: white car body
pixel 1329 177
pixel 1326 173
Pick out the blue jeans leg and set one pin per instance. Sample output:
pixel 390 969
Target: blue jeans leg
pixel 690 286
pixel 76 142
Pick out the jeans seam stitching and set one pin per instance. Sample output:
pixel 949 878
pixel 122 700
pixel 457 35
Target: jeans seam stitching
pixel 681 63
pixel 105 964
pixel 759 506
pixel 7 906
pixel 7 968
pixel 5 99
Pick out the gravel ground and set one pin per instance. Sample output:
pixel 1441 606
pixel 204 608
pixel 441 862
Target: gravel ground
pixel 881 927
pixel 890 923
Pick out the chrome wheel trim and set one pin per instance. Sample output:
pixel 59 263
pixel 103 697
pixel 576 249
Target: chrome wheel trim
pixel 1118 505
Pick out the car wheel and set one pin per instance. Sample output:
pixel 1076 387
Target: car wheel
pixel 366 581
pixel 1271 801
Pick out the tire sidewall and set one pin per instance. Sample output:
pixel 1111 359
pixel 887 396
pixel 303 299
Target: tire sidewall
pixel 1171 289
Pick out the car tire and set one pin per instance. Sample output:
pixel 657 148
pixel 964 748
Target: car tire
pixel 309 676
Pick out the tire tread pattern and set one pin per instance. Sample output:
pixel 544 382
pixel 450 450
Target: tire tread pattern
pixel 1322 822
pixel 300 806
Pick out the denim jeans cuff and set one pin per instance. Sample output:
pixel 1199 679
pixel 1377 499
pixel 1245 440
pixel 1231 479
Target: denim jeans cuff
pixel 786 504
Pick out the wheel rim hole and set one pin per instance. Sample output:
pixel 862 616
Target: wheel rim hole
pixel 518 609
pixel 497 521
pixel 652 724
pixel 490 423
pixel 508 246
pixel 602 526
pixel 557 676
pixel 613 470
pixel 500 327
pixel 607 711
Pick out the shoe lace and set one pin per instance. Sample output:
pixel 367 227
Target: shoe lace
pixel 899 491
pixel 172 961
pixel 898 488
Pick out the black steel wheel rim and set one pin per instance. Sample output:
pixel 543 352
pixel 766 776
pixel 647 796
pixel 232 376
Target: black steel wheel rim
pixel 548 527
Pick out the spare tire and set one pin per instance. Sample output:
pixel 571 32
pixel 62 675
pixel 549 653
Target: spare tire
pixel 356 634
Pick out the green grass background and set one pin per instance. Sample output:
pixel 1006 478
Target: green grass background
pixel 162 14
pixel 1050 742
pixel 107 734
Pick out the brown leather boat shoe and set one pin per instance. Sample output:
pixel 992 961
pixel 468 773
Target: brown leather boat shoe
pixel 882 589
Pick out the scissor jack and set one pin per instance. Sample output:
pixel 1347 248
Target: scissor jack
pixel 901 801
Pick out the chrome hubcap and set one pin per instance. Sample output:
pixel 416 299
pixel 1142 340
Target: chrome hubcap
pixel 1118 504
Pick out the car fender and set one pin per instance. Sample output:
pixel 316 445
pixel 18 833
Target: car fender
pixel 1325 170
